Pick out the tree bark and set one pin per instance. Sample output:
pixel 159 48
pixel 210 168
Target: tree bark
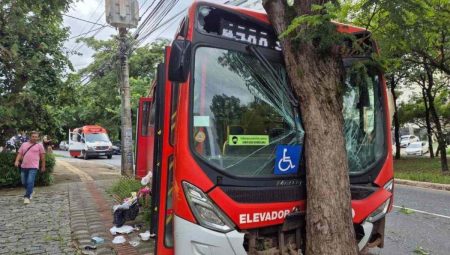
pixel 317 81
pixel 437 122
pixel 396 120
pixel 428 123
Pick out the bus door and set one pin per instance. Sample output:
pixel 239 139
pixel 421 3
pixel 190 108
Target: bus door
pixel 161 207
pixel 145 136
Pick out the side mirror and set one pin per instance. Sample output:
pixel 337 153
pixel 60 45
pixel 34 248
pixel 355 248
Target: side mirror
pixel 179 62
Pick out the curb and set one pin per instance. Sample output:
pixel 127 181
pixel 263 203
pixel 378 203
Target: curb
pixel 427 185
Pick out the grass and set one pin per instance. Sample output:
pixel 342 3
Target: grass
pixel 123 188
pixel 420 169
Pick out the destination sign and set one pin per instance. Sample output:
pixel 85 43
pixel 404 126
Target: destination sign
pixel 232 26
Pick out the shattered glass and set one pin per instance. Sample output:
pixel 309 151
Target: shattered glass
pixel 236 98
pixel 363 116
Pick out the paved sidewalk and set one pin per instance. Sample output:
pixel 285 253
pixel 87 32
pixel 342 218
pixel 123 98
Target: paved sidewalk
pixel 42 227
pixel 62 218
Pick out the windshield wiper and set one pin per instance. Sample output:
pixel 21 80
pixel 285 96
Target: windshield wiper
pixel 272 72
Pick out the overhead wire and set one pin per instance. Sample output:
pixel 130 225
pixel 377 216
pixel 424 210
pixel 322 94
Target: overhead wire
pixel 151 23
pixel 90 15
pixel 84 20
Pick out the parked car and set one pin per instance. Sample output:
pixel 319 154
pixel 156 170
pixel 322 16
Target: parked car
pixel 116 148
pixel 417 148
pixel 406 140
pixel 64 145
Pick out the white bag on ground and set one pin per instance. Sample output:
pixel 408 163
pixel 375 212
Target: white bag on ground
pixel 125 229
pixel 119 240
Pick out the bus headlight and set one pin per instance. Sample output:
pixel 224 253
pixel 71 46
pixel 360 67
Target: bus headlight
pixel 205 211
pixel 379 212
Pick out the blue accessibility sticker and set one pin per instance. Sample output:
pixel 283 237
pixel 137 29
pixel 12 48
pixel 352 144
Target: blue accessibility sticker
pixel 287 159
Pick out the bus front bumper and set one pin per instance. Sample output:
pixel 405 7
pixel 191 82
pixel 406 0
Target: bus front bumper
pixel 191 238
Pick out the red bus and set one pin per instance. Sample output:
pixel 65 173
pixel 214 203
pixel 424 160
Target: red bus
pixel 228 172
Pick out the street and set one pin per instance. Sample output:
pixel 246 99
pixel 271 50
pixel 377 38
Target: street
pixel 114 162
pixel 429 228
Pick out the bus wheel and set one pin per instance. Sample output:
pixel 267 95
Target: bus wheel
pixel 85 156
pixel 109 156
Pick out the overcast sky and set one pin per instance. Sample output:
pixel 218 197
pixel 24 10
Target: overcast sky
pixel 94 11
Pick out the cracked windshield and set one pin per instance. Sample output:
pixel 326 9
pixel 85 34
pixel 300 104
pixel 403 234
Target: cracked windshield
pixel 240 113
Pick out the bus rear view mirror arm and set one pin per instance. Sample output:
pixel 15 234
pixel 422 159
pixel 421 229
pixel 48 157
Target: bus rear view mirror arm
pixel 180 58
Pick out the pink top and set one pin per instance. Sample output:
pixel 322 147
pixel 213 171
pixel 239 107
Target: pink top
pixel 31 159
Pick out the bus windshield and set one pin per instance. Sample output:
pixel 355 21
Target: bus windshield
pixel 240 113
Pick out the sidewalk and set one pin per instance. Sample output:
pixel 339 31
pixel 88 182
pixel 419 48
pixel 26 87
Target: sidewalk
pixel 62 218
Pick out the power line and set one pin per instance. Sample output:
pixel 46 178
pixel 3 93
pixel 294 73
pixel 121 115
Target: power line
pixel 85 33
pixel 95 23
pixel 169 21
pixel 90 15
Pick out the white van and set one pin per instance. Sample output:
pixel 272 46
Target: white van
pixel 89 141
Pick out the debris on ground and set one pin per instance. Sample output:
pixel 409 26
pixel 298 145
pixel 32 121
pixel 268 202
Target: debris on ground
pixel 125 229
pixel 97 240
pixel 119 240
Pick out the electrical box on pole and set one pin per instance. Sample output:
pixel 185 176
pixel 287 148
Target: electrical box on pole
pixel 122 13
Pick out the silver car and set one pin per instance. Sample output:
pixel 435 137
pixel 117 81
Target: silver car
pixel 417 148
pixel 406 140
pixel 64 145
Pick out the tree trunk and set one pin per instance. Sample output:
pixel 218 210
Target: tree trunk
pixel 437 122
pixel 428 123
pixel 396 120
pixel 318 84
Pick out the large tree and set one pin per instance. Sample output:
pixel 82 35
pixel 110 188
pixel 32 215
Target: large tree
pixel 32 62
pixel 316 73
pixel 416 31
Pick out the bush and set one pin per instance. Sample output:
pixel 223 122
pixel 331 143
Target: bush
pixel 10 175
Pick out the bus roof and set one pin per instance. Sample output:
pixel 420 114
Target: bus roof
pixel 262 16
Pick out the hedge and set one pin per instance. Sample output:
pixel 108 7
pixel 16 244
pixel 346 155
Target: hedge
pixel 10 175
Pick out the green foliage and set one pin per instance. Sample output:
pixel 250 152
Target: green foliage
pixel 406 211
pixel 10 175
pixel 316 28
pixel 98 101
pixel 32 62
pixel 421 251
pixel 124 186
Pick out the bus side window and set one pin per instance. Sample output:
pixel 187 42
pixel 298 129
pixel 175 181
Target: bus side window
pixel 151 118
pixel 145 118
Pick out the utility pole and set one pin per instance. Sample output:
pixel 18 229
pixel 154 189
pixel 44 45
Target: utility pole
pixel 124 14
pixel 126 123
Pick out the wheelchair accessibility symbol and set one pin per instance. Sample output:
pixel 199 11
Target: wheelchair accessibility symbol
pixel 287 159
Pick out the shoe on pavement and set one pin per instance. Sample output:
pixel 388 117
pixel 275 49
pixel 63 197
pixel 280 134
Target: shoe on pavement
pixel 31 195
pixel 26 201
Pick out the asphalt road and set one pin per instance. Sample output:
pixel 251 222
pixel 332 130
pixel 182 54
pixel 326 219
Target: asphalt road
pixel 425 230
pixel 114 162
